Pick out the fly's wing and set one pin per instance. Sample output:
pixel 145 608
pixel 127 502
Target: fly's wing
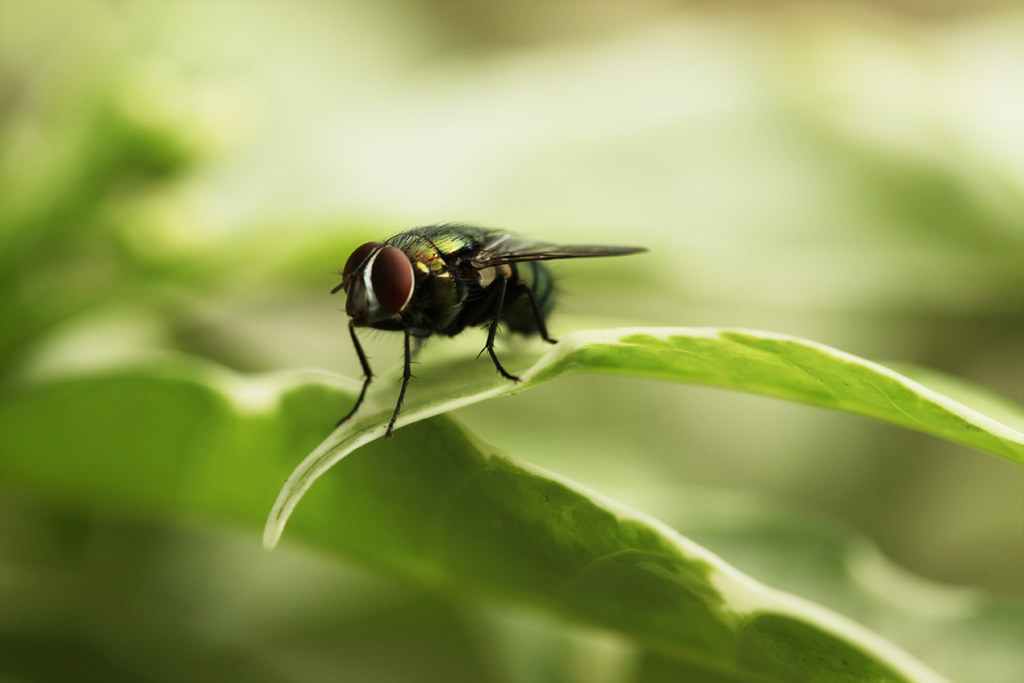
pixel 502 248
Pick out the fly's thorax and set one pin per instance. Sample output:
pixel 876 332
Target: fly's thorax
pixel 447 242
pixel 425 257
pixel 436 248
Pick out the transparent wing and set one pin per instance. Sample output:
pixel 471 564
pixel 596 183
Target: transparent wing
pixel 502 248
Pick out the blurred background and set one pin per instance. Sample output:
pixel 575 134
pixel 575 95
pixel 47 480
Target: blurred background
pixel 190 176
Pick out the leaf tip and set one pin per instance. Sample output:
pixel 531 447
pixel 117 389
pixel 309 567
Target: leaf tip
pixel 272 531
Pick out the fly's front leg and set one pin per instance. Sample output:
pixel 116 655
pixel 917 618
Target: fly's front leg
pixel 493 329
pixel 406 376
pixel 367 373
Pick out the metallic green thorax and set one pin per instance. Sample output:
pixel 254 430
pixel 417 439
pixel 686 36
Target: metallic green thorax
pixel 439 291
pixel 448 285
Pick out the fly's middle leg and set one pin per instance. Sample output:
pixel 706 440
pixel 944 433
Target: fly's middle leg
pixel 493 329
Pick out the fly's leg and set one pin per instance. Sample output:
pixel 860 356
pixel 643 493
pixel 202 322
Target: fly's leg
pixel 493 329
pixel 541 326
pixel 367 374
pixel 406 376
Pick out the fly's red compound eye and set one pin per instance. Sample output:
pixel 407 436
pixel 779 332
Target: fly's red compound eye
pixel 357 258
pixel 392 278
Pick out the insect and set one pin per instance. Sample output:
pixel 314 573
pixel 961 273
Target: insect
pixel 441 279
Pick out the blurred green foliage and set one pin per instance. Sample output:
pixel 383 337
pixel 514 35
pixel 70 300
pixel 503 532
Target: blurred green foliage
pixel 185 177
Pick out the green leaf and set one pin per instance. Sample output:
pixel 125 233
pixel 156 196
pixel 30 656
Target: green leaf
pixel 432 506
pixel 758 362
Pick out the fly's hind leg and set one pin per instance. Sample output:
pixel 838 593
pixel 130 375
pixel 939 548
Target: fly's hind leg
pixel 539 317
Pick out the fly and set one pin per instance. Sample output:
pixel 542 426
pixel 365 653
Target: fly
pixel 441 279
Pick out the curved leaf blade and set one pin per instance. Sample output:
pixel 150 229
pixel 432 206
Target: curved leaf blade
pixel 758 362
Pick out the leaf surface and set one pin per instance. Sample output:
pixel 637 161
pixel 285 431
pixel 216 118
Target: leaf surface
pixel 757 362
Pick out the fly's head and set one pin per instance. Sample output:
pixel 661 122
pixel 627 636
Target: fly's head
pixel 378 281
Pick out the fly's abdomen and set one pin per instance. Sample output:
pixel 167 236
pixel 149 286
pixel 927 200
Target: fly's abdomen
pixel 517 313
